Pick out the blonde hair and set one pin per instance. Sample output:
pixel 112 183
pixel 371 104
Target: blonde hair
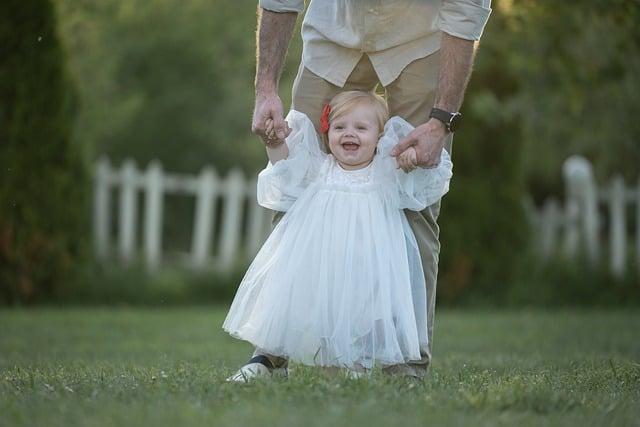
pixel 346 101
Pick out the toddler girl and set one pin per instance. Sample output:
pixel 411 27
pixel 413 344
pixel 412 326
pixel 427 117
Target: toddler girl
pixel 332 286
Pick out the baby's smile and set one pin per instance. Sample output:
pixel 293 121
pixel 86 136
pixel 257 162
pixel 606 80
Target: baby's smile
pixel 350 146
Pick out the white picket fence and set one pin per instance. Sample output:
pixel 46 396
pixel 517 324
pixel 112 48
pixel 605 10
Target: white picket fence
pixel 578 226
pixel 569 229
pixel 153 184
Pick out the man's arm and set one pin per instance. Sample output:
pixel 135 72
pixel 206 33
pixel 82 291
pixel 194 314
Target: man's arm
pixel 456 58
pixel 272 40
pixel 455 70
pixel 462 23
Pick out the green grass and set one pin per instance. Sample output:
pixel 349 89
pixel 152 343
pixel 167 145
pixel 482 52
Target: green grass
pixel 125 366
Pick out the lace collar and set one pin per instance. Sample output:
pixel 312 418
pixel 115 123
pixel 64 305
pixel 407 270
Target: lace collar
pixel 344 176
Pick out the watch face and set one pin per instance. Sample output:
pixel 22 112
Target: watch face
pixel 454 123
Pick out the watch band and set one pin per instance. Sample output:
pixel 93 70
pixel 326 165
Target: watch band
pixel 450 120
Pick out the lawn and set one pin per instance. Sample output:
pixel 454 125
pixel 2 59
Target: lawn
pixel 132 366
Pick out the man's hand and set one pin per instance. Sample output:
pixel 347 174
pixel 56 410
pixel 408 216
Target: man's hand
pixel 407 160
pixel 428 142
pixel 274 33
pixel 269 107
pixel 271 132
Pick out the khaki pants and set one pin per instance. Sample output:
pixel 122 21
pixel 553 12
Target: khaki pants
pixel 410 96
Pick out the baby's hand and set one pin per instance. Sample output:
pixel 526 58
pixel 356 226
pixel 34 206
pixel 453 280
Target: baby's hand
pixel 408 160
pixel 270 131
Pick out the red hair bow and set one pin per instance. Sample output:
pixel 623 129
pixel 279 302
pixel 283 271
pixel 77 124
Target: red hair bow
pixel 324 118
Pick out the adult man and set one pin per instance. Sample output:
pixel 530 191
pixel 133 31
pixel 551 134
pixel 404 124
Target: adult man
pixel 420 51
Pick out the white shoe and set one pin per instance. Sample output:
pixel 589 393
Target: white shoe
pixel 257 367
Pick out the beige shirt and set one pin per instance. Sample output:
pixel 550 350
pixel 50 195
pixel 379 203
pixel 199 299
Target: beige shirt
pixel 336 33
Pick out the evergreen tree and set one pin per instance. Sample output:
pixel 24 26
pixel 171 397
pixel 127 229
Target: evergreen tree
pixel 43 181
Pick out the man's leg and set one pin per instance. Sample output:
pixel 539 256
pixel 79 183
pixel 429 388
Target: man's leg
pixel 411 97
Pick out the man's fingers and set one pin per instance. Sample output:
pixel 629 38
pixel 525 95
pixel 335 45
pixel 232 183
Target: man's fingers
pixel 259 123
pixel 403 145
pixel 266 108
pixel 280 126
pixel 287 130
pixel 268 126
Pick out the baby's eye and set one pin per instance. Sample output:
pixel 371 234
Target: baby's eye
pixel 362 127
pixel 338 127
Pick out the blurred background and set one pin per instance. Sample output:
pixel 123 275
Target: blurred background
pixel 127 165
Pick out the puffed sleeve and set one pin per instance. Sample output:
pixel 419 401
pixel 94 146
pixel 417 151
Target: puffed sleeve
pixel 421 187
pixel 464 18
pixel 282 5
pixel 280 184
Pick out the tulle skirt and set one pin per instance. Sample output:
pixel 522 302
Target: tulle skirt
pixel 338 282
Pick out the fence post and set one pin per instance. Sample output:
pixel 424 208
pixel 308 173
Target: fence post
pixel 618 226
pixel 127 214
pixel 582 208
pixel 232 217
pixel 204 220
pixel 153 215
pixel 102 208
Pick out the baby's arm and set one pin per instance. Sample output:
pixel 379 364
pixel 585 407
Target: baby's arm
pixel 408 160
pixel 279 151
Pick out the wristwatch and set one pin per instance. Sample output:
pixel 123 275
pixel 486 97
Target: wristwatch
pixel 451 120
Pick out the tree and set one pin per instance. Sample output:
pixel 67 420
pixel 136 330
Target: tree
pixel 44 181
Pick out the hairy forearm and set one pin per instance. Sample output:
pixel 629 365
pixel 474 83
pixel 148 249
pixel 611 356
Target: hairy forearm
pixel 455 70
pixel 272 40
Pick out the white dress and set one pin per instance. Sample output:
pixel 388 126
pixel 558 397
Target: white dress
pixel 339 281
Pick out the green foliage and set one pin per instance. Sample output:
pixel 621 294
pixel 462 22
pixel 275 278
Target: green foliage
pixel 157 367
pixel 578 70
pixel 43 182
pixel 167 80
pixel 483 228
pixel 551 80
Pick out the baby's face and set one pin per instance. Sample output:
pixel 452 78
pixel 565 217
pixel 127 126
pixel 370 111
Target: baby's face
pixel 353 137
